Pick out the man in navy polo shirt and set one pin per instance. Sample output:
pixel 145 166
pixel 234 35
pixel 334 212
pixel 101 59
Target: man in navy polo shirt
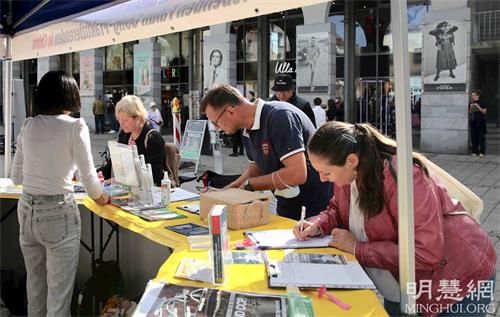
pixel 275 138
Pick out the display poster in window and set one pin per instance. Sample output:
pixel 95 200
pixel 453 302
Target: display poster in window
pixel 143 72
pixel 87 75
pixel 215 65
pixel 445 53
pixel 313 62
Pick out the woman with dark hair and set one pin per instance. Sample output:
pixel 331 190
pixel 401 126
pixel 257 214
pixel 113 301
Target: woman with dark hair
pixel 50 148
pixel 216 73
pixel 477 122
pixel 362 219
pixel 331 112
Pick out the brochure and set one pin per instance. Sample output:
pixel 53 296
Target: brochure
pixel 162 299
pixel 189 229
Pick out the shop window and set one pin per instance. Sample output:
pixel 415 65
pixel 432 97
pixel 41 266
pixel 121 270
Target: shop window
pixel 114 57
pixel 75 62
pixel 184 48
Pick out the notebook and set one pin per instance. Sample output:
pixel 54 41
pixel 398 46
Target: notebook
pixel 317 270
pixel 284 239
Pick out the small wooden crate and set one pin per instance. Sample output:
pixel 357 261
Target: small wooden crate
pixel 244 209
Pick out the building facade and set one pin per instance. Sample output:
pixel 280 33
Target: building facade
pixel 334 50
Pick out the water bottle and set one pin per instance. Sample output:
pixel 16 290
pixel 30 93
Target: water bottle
pixel 165 185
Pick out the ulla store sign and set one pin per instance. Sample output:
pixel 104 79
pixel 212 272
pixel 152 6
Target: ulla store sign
pixel 284 68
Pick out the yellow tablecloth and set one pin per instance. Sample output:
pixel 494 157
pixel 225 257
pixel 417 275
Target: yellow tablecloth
pixel 253 278
pixel 245 278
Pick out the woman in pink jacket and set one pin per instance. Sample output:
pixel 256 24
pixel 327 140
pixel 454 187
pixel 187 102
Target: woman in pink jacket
pixel 454 257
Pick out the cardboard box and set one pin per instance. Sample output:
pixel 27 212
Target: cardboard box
pixel 244 209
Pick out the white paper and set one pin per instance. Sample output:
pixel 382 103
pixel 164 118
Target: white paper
pixel 179 194
pixel 313 275
pixel 149 297
pixel 285 239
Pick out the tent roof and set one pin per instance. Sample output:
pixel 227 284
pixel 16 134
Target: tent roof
pixel 49 11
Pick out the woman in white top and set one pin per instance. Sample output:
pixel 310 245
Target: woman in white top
pixel 50 148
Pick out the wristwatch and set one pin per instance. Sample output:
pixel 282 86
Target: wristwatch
pixel 248 186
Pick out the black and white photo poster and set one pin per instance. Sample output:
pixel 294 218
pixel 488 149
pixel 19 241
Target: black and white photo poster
pixel 312 63
pixel 215 66
pixel 445 50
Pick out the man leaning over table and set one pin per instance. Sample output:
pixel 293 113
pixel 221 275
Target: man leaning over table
pixel 275 138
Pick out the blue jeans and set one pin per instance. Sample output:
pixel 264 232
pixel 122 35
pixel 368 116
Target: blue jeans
pixel 472 306
pixel 49 235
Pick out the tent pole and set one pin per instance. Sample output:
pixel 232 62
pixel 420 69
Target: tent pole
pixel 7 101
pixel 404 153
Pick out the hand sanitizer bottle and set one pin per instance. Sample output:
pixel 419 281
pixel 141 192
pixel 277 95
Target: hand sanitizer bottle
pixel 166 184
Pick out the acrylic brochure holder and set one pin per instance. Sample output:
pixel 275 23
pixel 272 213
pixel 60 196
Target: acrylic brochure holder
pixel 130 169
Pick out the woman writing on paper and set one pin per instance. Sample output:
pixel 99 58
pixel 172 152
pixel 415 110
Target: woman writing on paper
pixel 132 116
pixel 50 148
pixel 363 220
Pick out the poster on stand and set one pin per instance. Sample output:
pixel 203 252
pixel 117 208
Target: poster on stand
pixel 87 75
pixel 312 62
pixel 445 51
pixel 143 76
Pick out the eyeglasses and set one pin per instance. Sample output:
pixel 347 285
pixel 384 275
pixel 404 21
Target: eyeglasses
pixel 216 122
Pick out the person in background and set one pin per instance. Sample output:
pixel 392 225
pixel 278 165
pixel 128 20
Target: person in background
pixel 99 110
pixel 237 140
pixel 331 112
pixel 115 127
pixel 251 95
pixel 135 130
pixel 274 138
pixel 51 146
pixel 154 116
pixel 362 219
pixel 477 122
pixel 319 112
pixel 284 91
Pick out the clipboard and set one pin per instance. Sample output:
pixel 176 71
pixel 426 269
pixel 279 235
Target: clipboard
pixel 284 239
pixel 314 275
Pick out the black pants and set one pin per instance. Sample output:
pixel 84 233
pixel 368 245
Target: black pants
pixel 237 140
pixel 478 137
pixel 99 123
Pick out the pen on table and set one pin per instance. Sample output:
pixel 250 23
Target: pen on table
pixel 302 217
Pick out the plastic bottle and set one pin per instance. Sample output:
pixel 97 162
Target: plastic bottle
pixel 165 185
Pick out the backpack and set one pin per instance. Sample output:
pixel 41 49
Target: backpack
pixel 105 283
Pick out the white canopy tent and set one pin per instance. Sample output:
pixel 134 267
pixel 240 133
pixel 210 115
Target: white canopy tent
pixel 122 21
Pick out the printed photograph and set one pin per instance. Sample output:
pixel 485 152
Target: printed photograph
pixel 445 48
pixel 312 62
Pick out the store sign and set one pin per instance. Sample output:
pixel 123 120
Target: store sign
pixel 171 72
pixel 284 68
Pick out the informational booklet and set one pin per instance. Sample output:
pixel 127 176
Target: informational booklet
pixel 157 214
pixel 284 239
pixel 162 299
pixel 219 252
pixel 189 229
pixel 195 269
pixel 247 257
pixel 316 270
pixel 192 208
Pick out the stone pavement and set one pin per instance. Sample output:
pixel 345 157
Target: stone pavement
pixel 481 175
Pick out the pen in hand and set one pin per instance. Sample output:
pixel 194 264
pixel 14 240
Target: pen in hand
pixel 302 217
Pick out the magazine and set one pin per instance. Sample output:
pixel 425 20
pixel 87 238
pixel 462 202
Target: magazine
pixel 174 300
